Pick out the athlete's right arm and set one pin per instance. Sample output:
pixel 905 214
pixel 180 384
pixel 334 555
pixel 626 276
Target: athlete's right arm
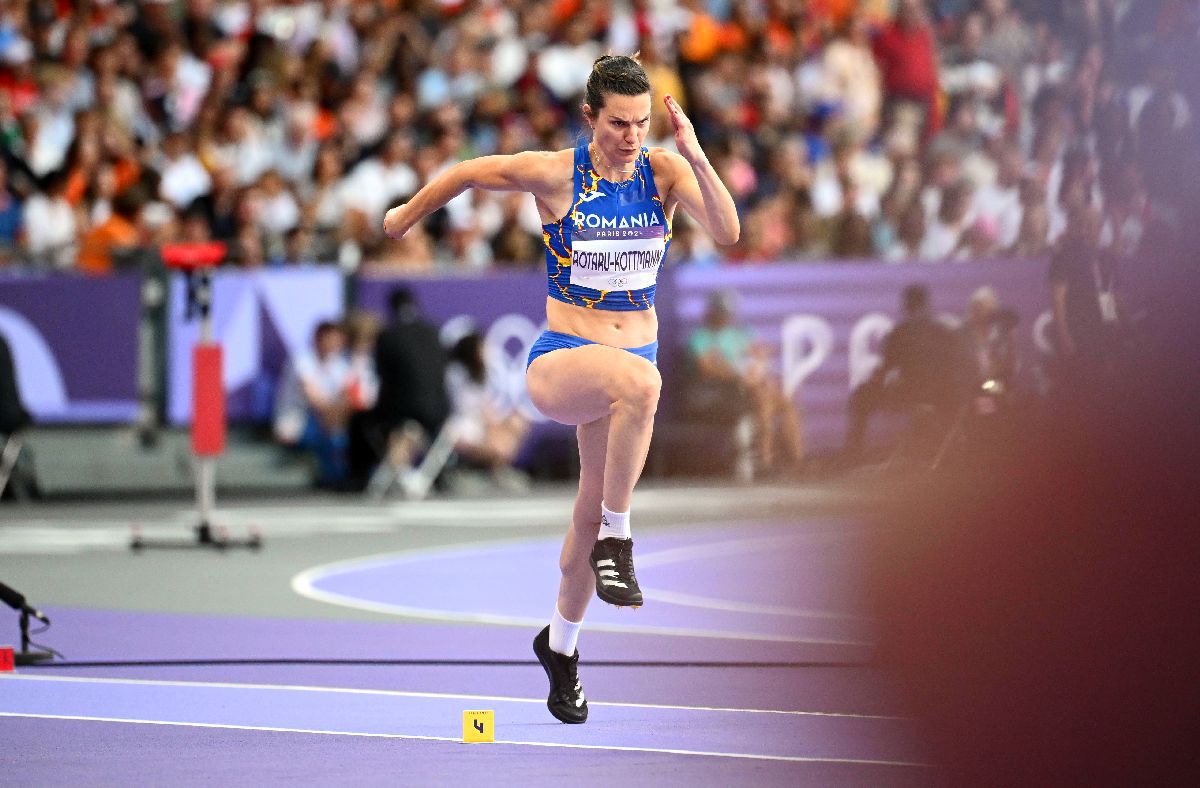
pixel 530 171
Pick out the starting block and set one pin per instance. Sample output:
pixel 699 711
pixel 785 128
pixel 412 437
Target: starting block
pixel 479 726
pixel 7 660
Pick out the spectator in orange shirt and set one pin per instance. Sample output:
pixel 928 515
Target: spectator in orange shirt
pixel 701 42
pixel 118 233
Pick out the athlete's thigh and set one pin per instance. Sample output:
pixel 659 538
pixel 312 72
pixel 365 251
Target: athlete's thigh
pixel 578 385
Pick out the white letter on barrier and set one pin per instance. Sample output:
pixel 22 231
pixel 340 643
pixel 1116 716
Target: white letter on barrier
pixel 807 342
pixel 506 368
pixel 1041 333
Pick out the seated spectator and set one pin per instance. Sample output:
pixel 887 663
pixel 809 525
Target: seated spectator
pixel 515 245
pixel 788 98
pixel 849 231
pixel 849 163
pixel 953 217
pixel 977 242
pixel 904 191
pixel 690 246
pixel 116 234
pixel 384 180
pixel 184 178
pixel 920 365
pixel 989 343
pixel 327 200
pixel 1000 201
pixel 484 434
pixel 277 211
pixel 299 247
pixel 312 409
pixel 728 355
pixel 50 237
pixel 1033 235
pixel 852 77
pixel 909 236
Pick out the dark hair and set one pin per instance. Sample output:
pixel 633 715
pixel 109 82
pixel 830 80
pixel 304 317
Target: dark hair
pixel 915 298
pixel 402 302
pixel 468 351
pixel 54 181
pixel 327 327
pixel 617 74
pixel 128 203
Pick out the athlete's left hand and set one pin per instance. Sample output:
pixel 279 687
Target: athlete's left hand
pixel 685 135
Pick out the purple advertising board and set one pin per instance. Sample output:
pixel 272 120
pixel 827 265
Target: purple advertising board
pixel 260 319
pixel 74 342
pixel 823 322
pixel 509 309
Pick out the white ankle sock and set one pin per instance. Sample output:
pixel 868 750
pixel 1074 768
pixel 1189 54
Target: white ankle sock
pixel 614 525
pixel 563 634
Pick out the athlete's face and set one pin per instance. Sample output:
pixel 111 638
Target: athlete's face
pixel 620 126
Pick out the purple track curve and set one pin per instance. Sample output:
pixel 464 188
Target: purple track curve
pixel 768 594
pixel 746 581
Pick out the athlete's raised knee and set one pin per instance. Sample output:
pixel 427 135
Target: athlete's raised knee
pixel 638 388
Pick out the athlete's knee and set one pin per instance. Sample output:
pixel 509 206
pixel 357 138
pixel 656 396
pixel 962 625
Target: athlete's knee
pixel 639 388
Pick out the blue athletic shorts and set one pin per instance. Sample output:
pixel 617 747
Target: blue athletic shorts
pixel 553 340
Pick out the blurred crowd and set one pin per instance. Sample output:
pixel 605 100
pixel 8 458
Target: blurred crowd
pixel 899 130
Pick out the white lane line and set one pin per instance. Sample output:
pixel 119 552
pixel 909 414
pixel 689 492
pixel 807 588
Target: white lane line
pixel 305 582
pixel 654 750
pixel 426 695
pixel 731 606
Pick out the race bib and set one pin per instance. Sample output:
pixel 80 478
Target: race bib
pixel 616 258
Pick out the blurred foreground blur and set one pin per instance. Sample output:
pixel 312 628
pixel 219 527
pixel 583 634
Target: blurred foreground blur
pixel 1039 604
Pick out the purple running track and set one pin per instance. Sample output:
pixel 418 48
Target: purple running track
pixel 757 581
pixel 256 723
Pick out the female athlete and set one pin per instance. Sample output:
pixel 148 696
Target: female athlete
pixel 607 207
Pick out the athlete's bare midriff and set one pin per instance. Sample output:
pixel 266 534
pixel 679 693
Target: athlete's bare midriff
pixel 608 327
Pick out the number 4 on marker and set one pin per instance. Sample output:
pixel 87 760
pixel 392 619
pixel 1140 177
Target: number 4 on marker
pixel 478 726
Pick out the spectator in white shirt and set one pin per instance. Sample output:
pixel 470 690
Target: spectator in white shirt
pixel 242 146
pixel 1000 202
pixel 564 67
pixel 384 180
pixel 50 224
pixel 183 176
pixel 954 216
pixel 278 211
pixel 312 408
pixel 296 145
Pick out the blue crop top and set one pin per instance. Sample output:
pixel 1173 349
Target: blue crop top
pixel 606 252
